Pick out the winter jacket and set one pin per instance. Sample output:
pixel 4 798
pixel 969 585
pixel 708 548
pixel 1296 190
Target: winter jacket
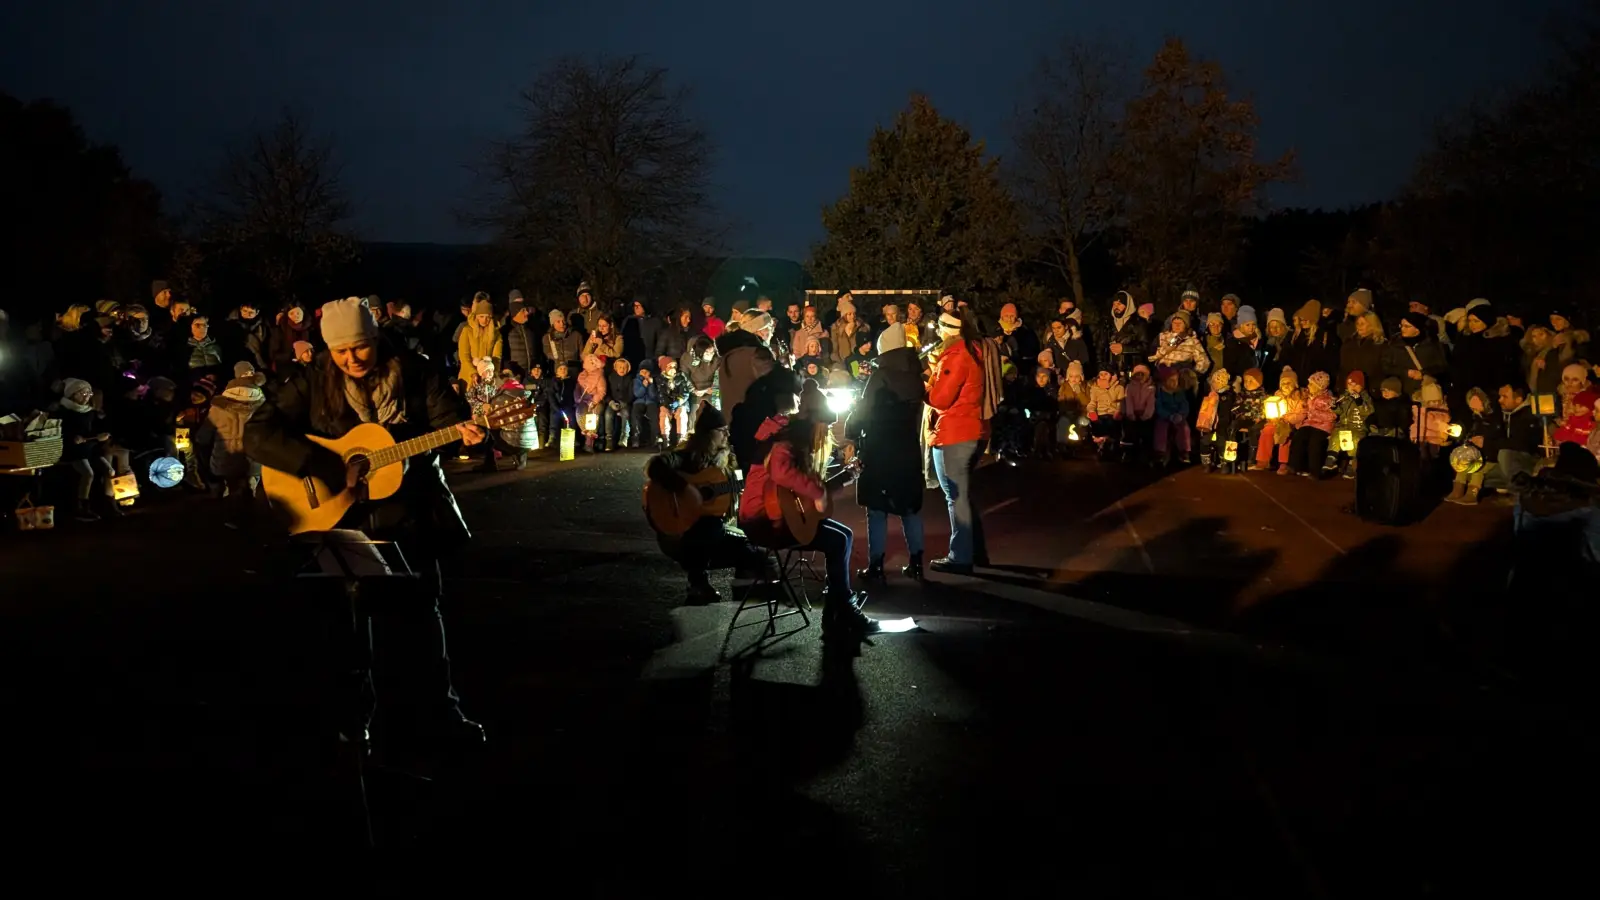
pixel 619 386
pixel 607 347
pixel 1397 362
pixel 886 426
pixel 955 391
pixel 1351 412
pixel 777 469
pixel 1139 400
pixel 673 389
pixel 639 337
pixel 1105 401
pixel 743 359
pixel 702 373
pixel 646 391
pixel 521 345
pixel 1518 430
pixel 477 343
pixel 846 337
pixel 591 390
pixel 1319 412
pixel 1171 405
pixel 1363 355
pixel 562 346
pixel 229 412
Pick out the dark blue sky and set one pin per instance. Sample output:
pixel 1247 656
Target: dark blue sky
pixel 791 92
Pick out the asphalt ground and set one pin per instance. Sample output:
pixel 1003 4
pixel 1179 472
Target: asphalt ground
pixel 1173 685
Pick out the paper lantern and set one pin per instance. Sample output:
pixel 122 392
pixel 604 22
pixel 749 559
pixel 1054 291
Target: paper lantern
pixel 591 422
pixel 1466 459
pixel 1230 451
pixel 569 444
pixel 166 472
pixel 1455 430
pixel 180 440
pixel 1274 407
pixel 1347 441
pixel 125 489
pixel 1546 405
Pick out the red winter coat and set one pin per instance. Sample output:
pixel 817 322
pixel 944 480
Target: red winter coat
pixel 956 393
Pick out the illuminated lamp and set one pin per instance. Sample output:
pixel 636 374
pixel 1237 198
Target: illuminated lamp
pixel 180 440
pixel 125 489
pixel 840 400
pixel 166 472
pixel 1466 459
pixel 1230 451
pixel 569 444
pixel 1275 407
pixel 1455 430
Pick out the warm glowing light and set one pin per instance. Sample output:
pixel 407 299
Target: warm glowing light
pixel 1230 451
pixel 1275 407
pixel 180 440
pixel 591 422
pixel 569 444
pixel 840 400
pixel 1455 431
pixel 1347 441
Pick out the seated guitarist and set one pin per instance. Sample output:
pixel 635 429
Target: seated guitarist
pixel 363 378
pixel 793 453
pixel 708 544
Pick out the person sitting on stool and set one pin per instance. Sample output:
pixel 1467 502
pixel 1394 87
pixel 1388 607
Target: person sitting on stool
pixel 708 543
pixel 793 453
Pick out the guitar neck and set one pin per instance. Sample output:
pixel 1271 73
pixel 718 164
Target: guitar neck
pixel 416 446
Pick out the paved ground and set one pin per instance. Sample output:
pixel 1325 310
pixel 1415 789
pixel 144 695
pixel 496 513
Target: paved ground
pixel 1191 686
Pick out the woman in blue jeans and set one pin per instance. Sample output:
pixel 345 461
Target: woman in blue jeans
pixel 886 427
pixel 955 391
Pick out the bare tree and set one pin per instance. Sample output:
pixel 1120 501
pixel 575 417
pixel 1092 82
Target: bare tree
pixel 278 212
pixel 1066 138
pixel 608 181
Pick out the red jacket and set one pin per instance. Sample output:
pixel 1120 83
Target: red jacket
pixel 956 392
pixel 779 469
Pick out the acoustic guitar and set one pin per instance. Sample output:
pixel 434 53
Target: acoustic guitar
pixel 709 493
pixel 801 517
pixel 310 504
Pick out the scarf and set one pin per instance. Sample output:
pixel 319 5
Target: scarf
pixel 382 405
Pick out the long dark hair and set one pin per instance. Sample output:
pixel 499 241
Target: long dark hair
pixel 330 402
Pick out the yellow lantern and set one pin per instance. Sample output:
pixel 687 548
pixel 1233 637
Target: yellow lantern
pixel 1347 441
pixel 125 489
pixel 569 444
pixel 1274 407
pixel 1455 430
pixel 1230 451
pixel 591 422
pixel 180 440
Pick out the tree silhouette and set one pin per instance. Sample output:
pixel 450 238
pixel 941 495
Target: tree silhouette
pixel 927 211
pixel 1187 172
pixel 1066 141
pixel 82 226
pixel 277 212
pixel 608 180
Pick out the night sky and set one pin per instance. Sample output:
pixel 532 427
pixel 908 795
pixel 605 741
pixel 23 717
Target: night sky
pixel 790 92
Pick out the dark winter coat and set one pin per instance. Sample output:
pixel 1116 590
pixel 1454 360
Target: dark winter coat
pixel 1398 364
pixel 521 346
pixel 1362 355
pixel 1311 353
pixel 886 425
pixel 1518 430
pixel 423 512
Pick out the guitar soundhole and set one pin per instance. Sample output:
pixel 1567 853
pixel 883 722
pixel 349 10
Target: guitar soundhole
pixel 359 456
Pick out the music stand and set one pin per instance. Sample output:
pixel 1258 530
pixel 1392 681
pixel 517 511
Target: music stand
pixel 362 566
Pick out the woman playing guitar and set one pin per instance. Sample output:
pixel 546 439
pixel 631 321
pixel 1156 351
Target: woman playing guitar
pixel 792 453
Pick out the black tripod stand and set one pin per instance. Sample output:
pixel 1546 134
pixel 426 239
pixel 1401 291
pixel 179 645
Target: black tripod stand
pixel 352 573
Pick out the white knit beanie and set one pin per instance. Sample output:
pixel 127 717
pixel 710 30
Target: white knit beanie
pixel 348 321
pixel 892 338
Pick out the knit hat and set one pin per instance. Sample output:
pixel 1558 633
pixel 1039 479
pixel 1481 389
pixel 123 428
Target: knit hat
pixel 348 321
pixel 301 347
pixel 1392 384
pixel 1318 381
pixel 1357 378
pixel 156 287
pixel 514 296
pixel 1483 312
pixel 1246 315
pixel 755 322
pixel 1416 320
pixel 1228 297
pixel 949 322
pixel 481 306
pixel 1255 373
pixel 1214 317
pixel 1430 392
pixel 663 361
pixel 243 369
pixel 1311 312
pixel 583 288
pixel 1191 294
pixel 892 338
pixel 557 315
pixel 72 386
pixel 1074 368
pixel 710 419
pixel 1147 310
pixel 845 305
pixel 207 386
pixel 1361 296
pixel 1220 379
pixel 1276 315
pixel 481 297
pixel 516 305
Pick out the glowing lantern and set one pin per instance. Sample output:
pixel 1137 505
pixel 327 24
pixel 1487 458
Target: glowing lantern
pixel 1455 431
pixel 1546 405
pixel 166 472
pixel 1275 407
pixel 1347 441
pixel 125 489
pixel 1230 451
pixel 180 440
pixel 1466 459
pixel 591 422
pixel 569 444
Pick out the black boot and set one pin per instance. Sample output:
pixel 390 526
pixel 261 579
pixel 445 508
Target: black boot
pixel 913 569
pixel 873 571
pixel 844 622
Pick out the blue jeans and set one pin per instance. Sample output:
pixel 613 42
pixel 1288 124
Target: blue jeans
pixel 835 540
pixel 878 532
pixel 953 464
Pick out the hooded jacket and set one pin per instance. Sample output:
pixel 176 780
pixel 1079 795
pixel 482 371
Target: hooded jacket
pixel 886 425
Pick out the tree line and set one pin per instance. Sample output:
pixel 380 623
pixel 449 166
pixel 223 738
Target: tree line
pixel 1147 179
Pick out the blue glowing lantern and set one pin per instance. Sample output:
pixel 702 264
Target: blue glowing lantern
pixel 166 472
